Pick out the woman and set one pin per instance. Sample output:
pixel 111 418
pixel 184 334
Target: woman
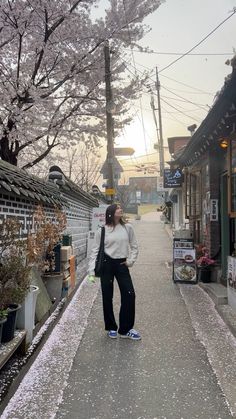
pixel 119 239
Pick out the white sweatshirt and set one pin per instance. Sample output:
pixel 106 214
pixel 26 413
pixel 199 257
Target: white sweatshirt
pixel 120 242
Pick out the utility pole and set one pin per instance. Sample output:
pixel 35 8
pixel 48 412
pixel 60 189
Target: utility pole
pixel 109 124
pixel 161 150
pixel 152 103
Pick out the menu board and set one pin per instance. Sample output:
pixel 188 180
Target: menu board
pixel 184 261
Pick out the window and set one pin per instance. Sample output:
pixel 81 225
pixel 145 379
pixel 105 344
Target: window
pixel 193 198
pixel 195 194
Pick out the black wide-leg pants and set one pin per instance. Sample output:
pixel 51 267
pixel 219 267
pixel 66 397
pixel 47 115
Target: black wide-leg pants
pixel 113 268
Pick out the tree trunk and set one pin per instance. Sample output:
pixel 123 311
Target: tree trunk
pixel 6 153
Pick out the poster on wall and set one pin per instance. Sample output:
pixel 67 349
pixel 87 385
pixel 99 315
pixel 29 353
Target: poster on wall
pixel 98 217
pixel 231 282
pixel 184 261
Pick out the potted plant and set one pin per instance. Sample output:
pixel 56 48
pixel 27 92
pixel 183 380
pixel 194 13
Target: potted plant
pixel 14 274
pixel 204 264
pixel 44 248
pixel 3 319
pixel 26 314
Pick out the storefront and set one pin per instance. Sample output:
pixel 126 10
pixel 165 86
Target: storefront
pixel 209 189
pixel 228 202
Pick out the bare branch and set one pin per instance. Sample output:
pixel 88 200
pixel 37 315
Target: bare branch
pixel 18 60
pixel 43 155
pixel 3 44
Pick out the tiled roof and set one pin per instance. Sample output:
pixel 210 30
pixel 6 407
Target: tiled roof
pixel 213 123
pixel 20 182
pixel 72 188
pixel 67 187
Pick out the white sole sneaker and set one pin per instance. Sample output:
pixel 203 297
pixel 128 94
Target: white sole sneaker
pixel 112 337
pixel 130 337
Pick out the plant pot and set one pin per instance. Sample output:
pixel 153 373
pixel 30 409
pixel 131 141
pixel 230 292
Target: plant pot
pixel 204 274
pixel 26 314
pixel 9 326
pixel 53 284
pixel 2 321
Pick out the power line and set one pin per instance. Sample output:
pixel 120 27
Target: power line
pixel 191 92
pixel 154 85
pixel 139 164
pixel 138 157
pixel 168 97
pixel 187 85
pixel 185 100
pixel 173 118
pixel 183 113
pixel 199 43
pixel 148 135
pixel 181 98
pixel 181 53
pixel 176 81
pixel 199 106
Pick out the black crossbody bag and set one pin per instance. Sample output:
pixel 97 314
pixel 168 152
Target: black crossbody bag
pixel 100 257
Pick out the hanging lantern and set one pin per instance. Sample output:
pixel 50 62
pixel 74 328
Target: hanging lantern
pixel 224 143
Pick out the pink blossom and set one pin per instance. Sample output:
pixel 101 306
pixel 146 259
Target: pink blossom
pixel 52 72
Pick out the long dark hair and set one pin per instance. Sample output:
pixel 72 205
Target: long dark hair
pixel 110 215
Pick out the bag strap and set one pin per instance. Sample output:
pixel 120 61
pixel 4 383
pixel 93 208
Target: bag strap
pixel 102 237
pixel 127 231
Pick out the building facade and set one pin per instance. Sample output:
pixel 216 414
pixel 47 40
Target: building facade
pixel 209 190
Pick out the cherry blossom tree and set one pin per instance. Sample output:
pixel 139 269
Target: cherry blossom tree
pixel 52 72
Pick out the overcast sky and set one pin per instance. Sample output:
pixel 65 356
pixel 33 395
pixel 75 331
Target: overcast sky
pixel 177 26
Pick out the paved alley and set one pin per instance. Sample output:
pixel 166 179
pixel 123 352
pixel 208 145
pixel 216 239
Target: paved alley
pixel 166 375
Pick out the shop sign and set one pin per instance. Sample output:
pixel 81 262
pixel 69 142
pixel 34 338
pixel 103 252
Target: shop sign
pixel 214 210
pixel 173 178
pixel 184 261
pixel 231 282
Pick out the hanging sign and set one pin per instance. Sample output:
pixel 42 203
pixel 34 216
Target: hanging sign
pixel 173 178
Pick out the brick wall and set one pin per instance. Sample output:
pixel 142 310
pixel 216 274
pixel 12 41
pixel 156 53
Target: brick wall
pixel 20 207
pixel 78 215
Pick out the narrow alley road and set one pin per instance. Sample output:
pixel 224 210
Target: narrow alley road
pixel 166 375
